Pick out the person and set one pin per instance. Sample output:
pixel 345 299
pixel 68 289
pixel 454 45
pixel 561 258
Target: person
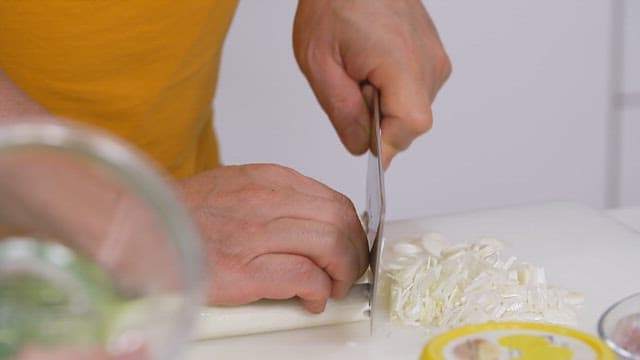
pixel 146 71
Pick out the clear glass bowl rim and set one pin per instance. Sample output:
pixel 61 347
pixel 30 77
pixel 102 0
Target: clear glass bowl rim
pixel 602 333
pixel 127 165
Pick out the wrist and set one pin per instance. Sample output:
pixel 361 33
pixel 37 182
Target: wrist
pixel 15 104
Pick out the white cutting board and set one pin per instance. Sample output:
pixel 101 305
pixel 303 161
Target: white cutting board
pixel 580 248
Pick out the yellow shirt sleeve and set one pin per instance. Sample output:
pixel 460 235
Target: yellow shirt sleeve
pixel 145 70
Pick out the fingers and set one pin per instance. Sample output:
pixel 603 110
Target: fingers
pixel 327 231
pixel 283 276
pixel 405 103
pixel 340 97
pixel 332 248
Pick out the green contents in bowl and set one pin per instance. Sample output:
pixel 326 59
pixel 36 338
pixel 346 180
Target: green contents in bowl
pixel 51 296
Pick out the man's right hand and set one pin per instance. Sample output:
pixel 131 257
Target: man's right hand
pixel 273 233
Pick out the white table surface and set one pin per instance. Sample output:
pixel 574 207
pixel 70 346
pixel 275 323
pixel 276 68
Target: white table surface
pixel 593 252
pixel 629 216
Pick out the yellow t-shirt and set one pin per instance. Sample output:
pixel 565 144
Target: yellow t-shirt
pixel 145 70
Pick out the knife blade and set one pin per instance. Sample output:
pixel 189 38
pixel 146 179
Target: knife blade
pixel 375 209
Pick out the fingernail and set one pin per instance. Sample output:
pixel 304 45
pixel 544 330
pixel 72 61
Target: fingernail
pixel 315 307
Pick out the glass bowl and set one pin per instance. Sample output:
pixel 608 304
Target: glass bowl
pixel 619 327
pixel 98 258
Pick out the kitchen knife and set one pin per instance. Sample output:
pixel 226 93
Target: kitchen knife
pixel 375 207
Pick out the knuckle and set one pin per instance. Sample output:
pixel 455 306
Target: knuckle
pixel 443 63
pixel 343 209
pixel 268 175
pixel 253 196
pixel 289 172
pixel 343 261
pixel 313 58
pixel 265 168
pixel 305 269
pixel 331 240
pixel 420 121
pixel 344 201
pixel 312 279
pixel 255 191
pixel 447 67
pixel 402 38
pixel 278 171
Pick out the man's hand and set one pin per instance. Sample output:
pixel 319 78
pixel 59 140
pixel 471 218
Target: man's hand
pixel 272 233
pixel 393 45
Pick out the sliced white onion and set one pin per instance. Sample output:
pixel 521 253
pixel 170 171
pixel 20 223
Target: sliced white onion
pixel 406 249
pixel 447 286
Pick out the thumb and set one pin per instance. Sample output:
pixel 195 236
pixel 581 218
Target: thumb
pixel 341 98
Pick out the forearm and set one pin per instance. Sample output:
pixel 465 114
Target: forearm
pixel 56 195
pixel 15 104
pixel 80 205
pixel 15 107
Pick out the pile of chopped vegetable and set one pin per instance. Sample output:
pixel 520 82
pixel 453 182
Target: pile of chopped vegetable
pixel 438 286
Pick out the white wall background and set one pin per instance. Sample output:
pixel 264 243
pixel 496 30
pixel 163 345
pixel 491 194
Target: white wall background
pixel 522 119
pixel 628 110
